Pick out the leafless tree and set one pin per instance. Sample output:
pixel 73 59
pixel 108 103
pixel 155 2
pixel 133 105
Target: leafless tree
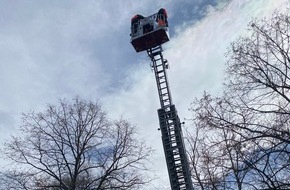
pixel 250 122
pixel 74 146
pixel 216 156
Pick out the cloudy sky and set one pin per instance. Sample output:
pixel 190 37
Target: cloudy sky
pixel 55 49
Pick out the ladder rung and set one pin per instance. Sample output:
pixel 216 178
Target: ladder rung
pixel 153 54
pixel 162 82
pixel 155 48
pixel 162 71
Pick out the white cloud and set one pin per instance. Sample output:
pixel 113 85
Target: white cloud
pixel 51 50
pixel 196 57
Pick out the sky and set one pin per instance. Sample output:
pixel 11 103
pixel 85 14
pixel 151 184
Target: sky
pixel 50 50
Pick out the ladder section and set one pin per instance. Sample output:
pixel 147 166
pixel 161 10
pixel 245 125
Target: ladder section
pixel 159 65
pixel 170 126
pixel 174 149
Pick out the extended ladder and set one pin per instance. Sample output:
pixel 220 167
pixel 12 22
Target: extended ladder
pixel 170 126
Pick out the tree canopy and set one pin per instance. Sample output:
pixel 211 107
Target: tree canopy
pixel 241 139
pixel 74 145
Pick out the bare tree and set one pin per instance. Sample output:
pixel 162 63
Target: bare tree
pixel 75 146
pixel 252 118
pixel 216 156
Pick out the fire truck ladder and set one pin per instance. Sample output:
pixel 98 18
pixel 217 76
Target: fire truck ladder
pixel 170 126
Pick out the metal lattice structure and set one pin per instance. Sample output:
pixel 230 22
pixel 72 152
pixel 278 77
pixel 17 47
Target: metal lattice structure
pixel 170 126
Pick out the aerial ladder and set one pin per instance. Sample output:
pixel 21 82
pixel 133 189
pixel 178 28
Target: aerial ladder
pixel 149 33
